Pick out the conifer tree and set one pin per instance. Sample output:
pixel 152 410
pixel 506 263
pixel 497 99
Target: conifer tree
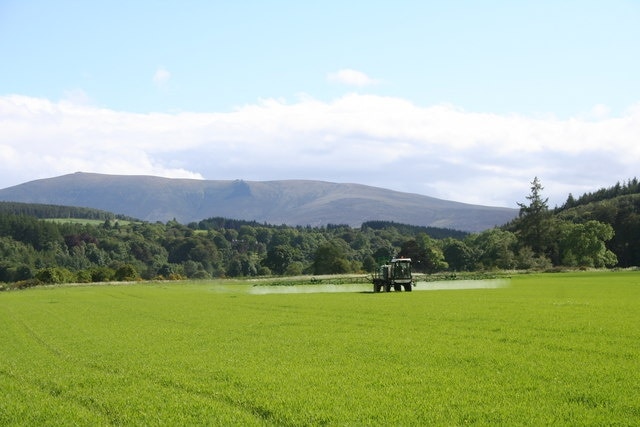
pixel 534 222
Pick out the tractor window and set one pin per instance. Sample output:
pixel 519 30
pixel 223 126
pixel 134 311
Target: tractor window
pixel 402 270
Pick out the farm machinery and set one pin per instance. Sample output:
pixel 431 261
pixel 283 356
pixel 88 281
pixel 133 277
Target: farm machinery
pixel 395 275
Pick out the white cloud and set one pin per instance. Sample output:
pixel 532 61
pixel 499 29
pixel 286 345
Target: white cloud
pixel 600 111
pixel 440 150
pixel 161 77
pixel 77 96
pixel 351 78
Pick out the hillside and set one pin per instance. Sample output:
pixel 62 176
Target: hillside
pixel 290 202
pixel 622 213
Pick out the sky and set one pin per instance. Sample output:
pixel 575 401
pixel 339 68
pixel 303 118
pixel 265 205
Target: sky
pixel 462 100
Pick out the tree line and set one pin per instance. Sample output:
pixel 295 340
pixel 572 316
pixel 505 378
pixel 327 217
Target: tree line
pixel 57 211
pixel 632 186
pixel 34 250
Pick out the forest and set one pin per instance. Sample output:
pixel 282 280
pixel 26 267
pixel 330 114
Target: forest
pixel 42 244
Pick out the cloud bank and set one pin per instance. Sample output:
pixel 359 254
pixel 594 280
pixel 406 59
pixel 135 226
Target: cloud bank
pixel 439 150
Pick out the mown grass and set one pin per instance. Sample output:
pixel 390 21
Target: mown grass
pixel 560 349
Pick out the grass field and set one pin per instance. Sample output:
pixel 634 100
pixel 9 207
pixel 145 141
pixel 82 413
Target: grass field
pixel 553 349
pixel 95 222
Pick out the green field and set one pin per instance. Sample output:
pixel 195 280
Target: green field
pixel 552 349
pixel 94 222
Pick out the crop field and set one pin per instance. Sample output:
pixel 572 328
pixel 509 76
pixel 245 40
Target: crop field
pixel 548 349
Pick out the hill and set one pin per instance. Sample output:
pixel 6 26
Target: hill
pixel 623 214
pixel 290 202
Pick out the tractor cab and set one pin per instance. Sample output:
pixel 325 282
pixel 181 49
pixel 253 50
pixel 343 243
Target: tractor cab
pixel 396 275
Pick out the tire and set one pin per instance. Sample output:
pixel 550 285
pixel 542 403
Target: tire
pixel 397 287
pixel 407 287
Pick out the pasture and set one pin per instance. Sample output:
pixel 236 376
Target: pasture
pixel 561 349
pixel 94 222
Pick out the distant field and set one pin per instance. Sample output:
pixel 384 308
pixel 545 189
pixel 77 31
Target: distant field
pixel 560 349
pixel 87 221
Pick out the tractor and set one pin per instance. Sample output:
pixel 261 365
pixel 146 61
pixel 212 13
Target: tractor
pixel 396 274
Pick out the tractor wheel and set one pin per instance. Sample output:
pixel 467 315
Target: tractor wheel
pixel 387 288
pixel 407 287
pixel 397 287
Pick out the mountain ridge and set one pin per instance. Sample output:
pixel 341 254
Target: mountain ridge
pixel 291 202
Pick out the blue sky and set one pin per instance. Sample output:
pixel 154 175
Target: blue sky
pixel 462 100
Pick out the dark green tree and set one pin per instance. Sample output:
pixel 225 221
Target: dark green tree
pixel 278 258
pixel 493 248
pixel 533 225
pixel 583 245
pixel 425 254
pixel 369 264
pixel 458 255
pixel 330 258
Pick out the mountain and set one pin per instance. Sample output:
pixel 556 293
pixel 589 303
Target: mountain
pixel 290 202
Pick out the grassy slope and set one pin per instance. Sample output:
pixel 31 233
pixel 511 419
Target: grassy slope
pixel 549 349
pixel 291 202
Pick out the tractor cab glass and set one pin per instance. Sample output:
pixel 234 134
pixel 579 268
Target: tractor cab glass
pixel 402 269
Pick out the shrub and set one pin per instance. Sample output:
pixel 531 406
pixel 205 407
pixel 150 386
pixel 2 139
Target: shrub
pixel 101 274
pixel 126 273
pixel 83 276
pixel 55 275
pixel 23 284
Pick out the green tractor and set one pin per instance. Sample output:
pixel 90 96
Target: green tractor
pixel 396 275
